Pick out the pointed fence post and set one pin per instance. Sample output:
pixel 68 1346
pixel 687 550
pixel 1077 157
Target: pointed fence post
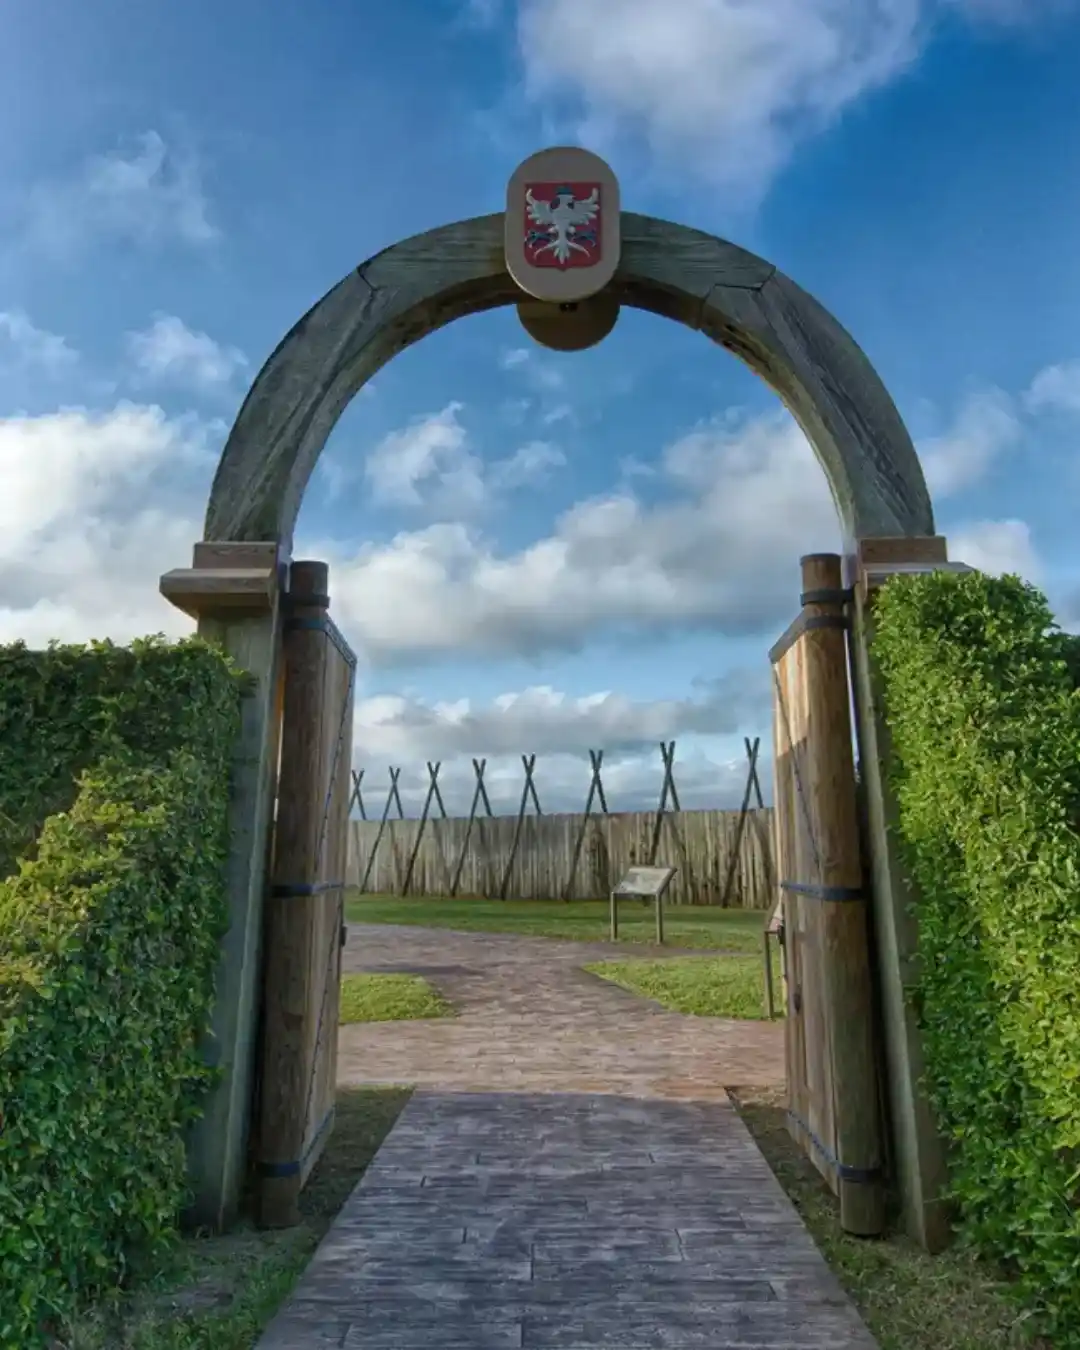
pixel 433 793
pixel 392 797
pixel 596 788
pixel 357 798
pixel 529 762
pixel 479 794
pixel 740 827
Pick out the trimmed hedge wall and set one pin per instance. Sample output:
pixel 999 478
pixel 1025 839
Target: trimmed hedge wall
pixel 114 784
pixel 980 695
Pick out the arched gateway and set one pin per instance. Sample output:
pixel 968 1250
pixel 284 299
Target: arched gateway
pixel 271 615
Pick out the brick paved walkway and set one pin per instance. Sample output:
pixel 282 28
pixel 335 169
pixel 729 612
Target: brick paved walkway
pixel 594 1205
pixel 530 1018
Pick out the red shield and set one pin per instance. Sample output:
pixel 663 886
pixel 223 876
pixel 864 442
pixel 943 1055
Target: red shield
pixel 563 224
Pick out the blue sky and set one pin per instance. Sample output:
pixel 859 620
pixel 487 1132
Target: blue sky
pixel 530 551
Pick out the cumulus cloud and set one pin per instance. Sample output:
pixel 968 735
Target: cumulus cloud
pixel 1056 389
pixel 985 428
pixel 544 718
pixel 144 191
pixel 996 547
pixel 95 506
pixel 730 506
pixel 728 85
pixel 170 352
pixel 432 464
pixel 24 346
pixel 727 88
pixel 742 499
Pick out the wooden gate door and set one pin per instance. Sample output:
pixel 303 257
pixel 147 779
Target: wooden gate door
pixel 304 926
pixel 833 1102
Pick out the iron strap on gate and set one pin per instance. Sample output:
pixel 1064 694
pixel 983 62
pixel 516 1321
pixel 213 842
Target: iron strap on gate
pixel 858 1176
pixel 832 1069
pixel 830 893
pixel 289 890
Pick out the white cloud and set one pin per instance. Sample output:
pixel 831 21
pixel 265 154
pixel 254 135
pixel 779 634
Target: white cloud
pixel 710 766
pixel 1056 389
pixel 145 192
pixel 985 428
pixel 728 84
pixel 409 729
pixel 168 351
pixel 527 466
pixel 707 539
pixel 727 88
pixel 24 346
pixel 96 505
pixel 743 499
pixel 996 547
pixel 432 464
pixel 430 458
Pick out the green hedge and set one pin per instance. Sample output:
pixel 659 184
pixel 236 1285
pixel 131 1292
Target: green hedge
pixel 114 779
pixel 979 693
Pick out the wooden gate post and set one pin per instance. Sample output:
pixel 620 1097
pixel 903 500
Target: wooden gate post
pixel 232 590
pixel 919 1153
pixel 844 923
pixel 838 899
pixel 291 961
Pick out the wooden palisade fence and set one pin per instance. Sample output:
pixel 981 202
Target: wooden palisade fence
pixel 723 857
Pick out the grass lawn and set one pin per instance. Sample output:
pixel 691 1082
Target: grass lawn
pixel 910 1301
pixel 702 926
pixel 218 1293
pixel 721 986
pixel 390 998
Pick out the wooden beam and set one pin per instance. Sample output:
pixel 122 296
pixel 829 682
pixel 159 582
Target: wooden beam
pixel 529 763
pixel 392 797
pixel 226 580
pixel 596 787
pixel 432 793
pixel 479 794
pixel 751 780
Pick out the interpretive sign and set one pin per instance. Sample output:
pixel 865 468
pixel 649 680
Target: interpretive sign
pixel 642 883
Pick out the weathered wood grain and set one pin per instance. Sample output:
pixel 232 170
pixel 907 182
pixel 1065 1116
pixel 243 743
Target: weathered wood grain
pixel 304 910
pixel 423 283
pixel 848 1119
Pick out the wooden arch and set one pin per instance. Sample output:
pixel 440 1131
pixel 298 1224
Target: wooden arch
pixel 235 586
pixel 411 289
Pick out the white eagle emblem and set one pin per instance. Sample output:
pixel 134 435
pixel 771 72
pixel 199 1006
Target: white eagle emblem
pixel 563 227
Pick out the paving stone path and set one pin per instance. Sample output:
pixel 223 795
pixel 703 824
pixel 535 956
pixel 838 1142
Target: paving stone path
pixel 605 1200
pixel 530 1018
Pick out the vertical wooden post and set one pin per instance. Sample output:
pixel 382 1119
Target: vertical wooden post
pixel 232 589
pixel 842 898
pixel 289 1030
